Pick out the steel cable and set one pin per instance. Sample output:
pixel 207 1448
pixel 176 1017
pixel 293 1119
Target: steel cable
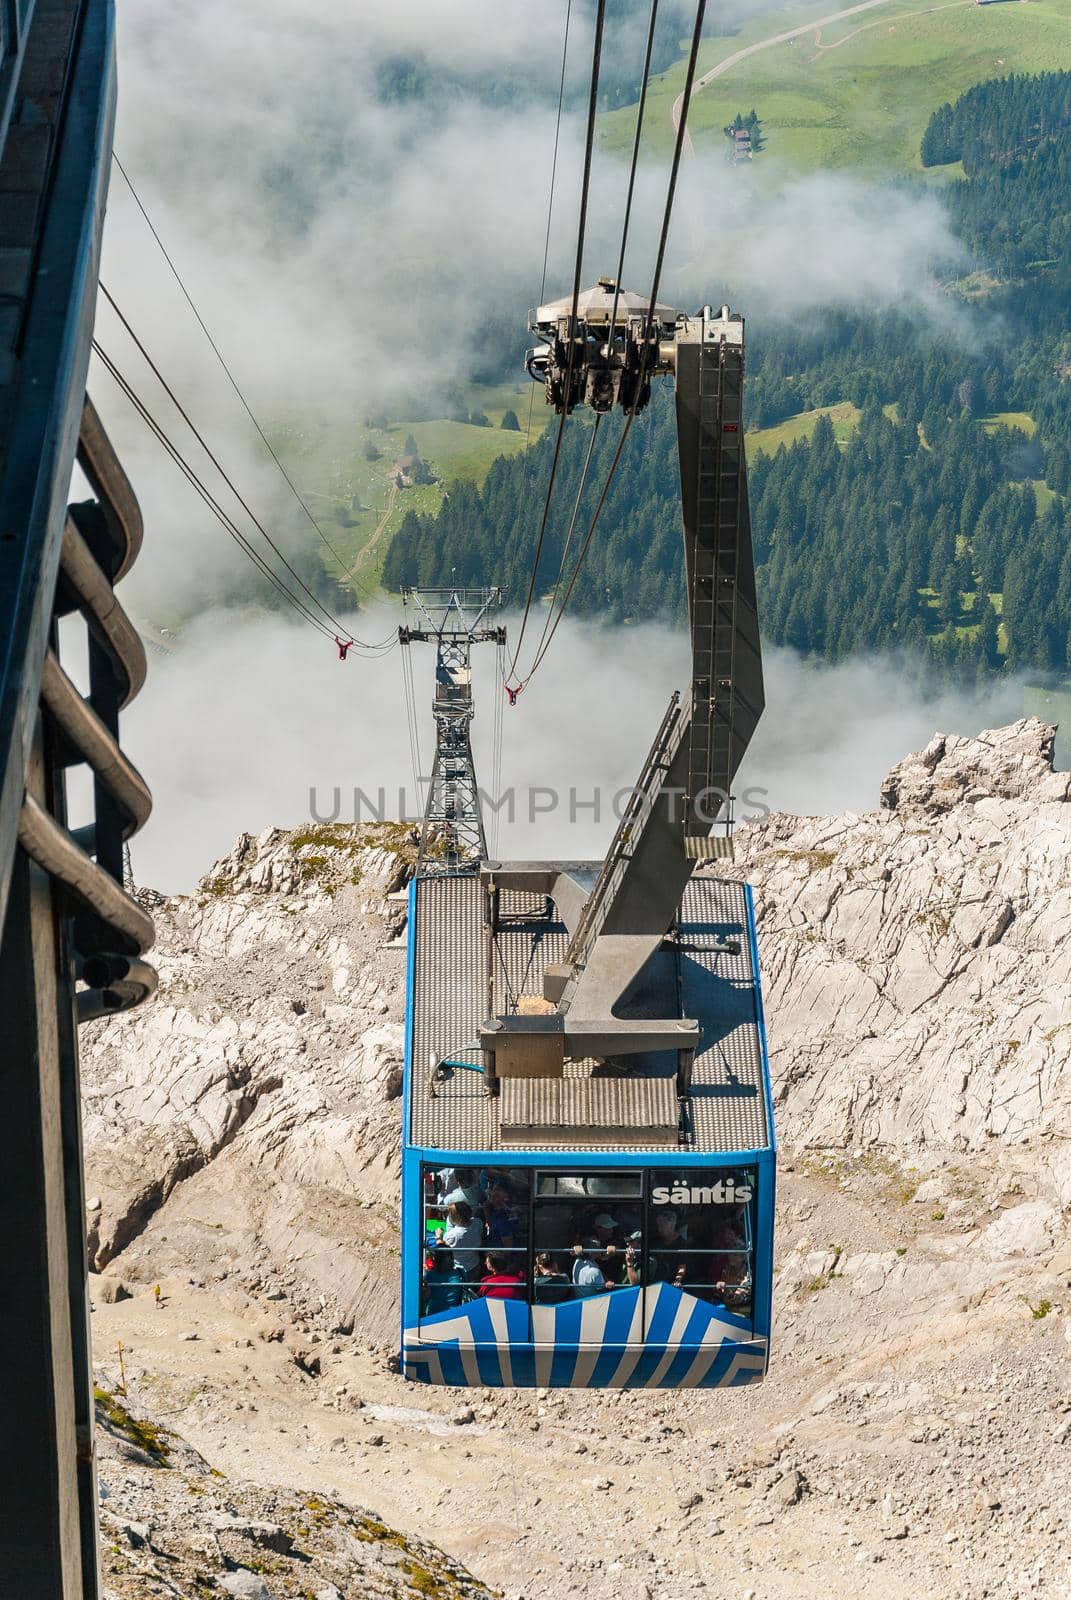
pixel 232 380
pixel 644 76
pixel 184 414
pixel 217 510
pixel 546 249
pixel 632 412
pixel 498 721
pixel 589 142
pixel 409 688
pixel 222 517
pixel 569 533
pixel 554 161
pixel 613 312
pixel 632 169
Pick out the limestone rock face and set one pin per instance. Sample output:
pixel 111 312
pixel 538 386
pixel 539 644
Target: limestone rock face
pixel 915 959
pixel 253 1093
pixel 243 1168
pixel 1013 763
pixel 1025 1230
pixel 917 979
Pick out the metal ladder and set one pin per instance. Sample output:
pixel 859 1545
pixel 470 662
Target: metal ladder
pixel 711 765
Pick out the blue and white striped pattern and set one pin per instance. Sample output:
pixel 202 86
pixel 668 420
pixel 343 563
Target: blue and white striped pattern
pixel 595 1343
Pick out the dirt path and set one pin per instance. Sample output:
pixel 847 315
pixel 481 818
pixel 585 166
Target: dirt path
pixel 541 1493
pixel 753 49
pixel 823 49
pixel 366 550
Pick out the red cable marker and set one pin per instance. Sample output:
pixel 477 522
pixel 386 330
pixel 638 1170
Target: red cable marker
pixel 344 645
pixel 513 693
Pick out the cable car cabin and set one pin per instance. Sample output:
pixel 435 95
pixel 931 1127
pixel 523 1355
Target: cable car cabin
pixel 592 1228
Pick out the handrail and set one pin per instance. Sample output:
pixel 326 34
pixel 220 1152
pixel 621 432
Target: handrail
pixel 101 465
pixel 97 601
pixel 67 923
pixel 116 984
pixel 52 847
pixel 95 745
pixel 110 930
pixel 666 743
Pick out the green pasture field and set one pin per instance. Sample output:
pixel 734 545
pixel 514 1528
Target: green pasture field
pixel 350 496
pixel 857 92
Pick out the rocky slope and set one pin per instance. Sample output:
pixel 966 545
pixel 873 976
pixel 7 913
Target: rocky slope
pixel 250 1104
pixel 917 963
pixel 171 1524
pixel 915 1429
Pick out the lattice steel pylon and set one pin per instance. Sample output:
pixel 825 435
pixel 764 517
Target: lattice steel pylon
pixel 452 839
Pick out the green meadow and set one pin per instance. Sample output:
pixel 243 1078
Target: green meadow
pixel 857 92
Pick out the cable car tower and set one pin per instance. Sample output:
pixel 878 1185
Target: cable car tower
pixel 452 838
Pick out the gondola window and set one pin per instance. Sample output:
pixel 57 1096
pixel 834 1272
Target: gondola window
pixel 700 1234
pixel 551 1237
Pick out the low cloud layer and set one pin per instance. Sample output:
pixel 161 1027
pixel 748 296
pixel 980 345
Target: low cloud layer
pixel 236 729
pixel 353 193
pixel 365 226
pixel 804 243
pixel 356 198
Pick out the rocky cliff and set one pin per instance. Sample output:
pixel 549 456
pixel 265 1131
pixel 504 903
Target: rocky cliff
pixel 916 960
pixel 242 1146
pixel 245 1117
pixel 172 1524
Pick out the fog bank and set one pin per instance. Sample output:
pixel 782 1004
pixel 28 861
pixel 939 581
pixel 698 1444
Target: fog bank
pixel 251 723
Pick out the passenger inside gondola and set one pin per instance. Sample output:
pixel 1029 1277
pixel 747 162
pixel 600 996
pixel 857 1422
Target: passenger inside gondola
pixel 552 1286
pixel 504 1227
pixel 463 1234
pixel 607 1229
pixel 731 1266
pixel 588 1276
pixel 444 1283
pixel 459 1183
pixel 502 1280
pixel 632 1270
pixel 566 1245
pixel 666 1263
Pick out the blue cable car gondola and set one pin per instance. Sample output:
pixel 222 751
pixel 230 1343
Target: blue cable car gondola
pixel 635 1254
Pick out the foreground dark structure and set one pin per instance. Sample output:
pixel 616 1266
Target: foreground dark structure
pixel 72 938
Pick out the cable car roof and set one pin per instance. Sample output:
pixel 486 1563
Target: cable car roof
pixel 590 1109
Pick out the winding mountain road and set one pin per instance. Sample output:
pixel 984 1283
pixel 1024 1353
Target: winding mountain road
pixel 753 49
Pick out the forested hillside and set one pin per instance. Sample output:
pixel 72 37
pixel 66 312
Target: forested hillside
pixel 935 525
pixel 1012 137
pixel 999 122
